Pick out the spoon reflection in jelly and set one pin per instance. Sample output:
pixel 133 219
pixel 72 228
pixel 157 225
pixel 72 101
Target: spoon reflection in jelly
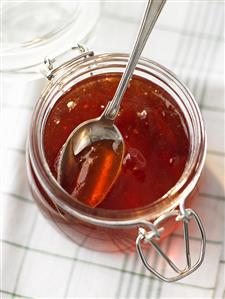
pixel 91 158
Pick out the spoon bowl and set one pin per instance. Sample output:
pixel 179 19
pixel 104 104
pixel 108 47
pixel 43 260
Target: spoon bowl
pixel 91 131
pixel 98 141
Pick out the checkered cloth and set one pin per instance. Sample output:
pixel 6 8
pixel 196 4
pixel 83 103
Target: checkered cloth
pixel 37 262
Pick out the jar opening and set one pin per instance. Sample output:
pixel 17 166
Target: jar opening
pixel 192 122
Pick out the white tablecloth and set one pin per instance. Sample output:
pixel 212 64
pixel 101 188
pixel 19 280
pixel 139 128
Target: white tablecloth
pixel 37 262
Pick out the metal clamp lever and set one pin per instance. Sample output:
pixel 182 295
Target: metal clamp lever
pixel 155 231
pixel 64 60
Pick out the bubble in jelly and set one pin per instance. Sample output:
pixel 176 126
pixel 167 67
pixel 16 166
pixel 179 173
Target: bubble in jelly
pixel 126 158
pixel 71 105
pixel 137 158
pixel 56 121
pixel 143 114
pixel 163 113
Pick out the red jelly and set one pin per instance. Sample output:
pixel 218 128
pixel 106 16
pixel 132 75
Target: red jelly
pixel 156 142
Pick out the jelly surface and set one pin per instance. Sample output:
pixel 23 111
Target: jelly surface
pixel 156 142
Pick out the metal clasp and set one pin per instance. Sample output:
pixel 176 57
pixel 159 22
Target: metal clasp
pixel 62 61
pixel 150 237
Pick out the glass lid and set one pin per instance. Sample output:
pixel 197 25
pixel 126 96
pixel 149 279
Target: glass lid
pixel 31 30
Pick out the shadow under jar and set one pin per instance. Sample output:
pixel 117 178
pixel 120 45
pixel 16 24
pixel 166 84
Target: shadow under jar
pixel 116 223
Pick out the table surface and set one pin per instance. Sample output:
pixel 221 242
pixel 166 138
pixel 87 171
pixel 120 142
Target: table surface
pixel 37 262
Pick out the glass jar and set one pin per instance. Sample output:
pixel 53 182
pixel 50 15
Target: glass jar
pixel 110 230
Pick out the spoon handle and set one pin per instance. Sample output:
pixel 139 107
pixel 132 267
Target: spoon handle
pixel 152 12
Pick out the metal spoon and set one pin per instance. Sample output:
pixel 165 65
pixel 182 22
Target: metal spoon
pixel 103 127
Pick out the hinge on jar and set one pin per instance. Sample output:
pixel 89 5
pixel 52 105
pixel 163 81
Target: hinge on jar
pixel 62 61
pixel 153 231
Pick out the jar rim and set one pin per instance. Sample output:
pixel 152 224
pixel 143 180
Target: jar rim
pixel 177 194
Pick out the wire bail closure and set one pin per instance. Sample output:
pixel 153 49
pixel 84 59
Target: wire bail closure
pixel 148 236
pixel 62 61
